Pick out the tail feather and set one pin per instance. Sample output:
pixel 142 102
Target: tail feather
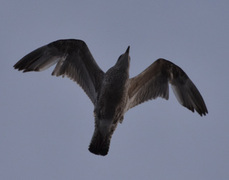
pixel 99 144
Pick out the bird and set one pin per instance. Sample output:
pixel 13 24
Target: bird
pixel 112 92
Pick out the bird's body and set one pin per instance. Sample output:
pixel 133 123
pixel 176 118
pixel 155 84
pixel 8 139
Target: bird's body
pixel 109 109
pixel 113 92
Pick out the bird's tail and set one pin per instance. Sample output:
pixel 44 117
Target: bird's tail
pixel 99 144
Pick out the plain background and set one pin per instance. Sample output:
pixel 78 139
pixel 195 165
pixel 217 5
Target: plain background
pixel 47 122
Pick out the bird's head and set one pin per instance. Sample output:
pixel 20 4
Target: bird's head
pixel 123 61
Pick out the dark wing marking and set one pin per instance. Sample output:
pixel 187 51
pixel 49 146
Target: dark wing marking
pixel 153 83
pixel 73 59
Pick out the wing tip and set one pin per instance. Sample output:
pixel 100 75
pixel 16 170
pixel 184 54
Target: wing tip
pixel 203 113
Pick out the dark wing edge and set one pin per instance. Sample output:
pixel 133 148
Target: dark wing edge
pixel 73 59
pixel 154 82
pixel 186 92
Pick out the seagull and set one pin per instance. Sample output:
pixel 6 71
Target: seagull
pixel 112 92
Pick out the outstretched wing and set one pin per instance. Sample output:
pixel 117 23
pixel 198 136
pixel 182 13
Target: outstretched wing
pixel 73 59
pixel 153 82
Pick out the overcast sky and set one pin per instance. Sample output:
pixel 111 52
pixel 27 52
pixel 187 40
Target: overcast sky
pixel 47 123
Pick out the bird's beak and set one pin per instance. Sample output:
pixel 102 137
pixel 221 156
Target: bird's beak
pixel 127 50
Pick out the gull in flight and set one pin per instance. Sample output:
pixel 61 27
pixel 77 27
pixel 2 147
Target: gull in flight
pixel 112 92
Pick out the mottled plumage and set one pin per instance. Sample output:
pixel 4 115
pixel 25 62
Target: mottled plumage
pixel 112 92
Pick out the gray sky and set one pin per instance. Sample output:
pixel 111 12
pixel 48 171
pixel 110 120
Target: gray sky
pixel 47 122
